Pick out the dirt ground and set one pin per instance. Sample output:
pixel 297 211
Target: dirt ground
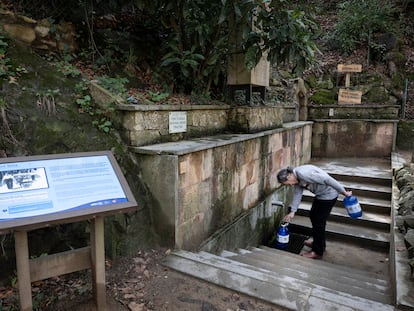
pixel 142 283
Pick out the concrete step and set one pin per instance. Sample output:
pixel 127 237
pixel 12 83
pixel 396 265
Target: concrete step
pixel 355 178
pixel 277 288
pixel 356 185
pixel 369 237
pixel 339 278
pixel 368 203
pixel 360 189
pixel 372 171
pixel 339 214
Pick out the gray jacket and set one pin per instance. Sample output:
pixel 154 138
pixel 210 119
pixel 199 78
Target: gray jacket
pixel 317 181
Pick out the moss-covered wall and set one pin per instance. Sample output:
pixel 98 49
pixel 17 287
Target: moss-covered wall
pixel 405 135
pixel 378 112
pixel 40 116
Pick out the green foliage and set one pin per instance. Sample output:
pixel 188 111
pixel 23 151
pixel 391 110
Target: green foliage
pixel 185 61
pixel 200 35
pixel 284 35
pixel 157 96
pixel 3 103
pixel 149 97
pixel 103 124
pixel 360 19
pixel 4 61
pixel 114 85
pixel 85 104
pixel 67 69
pixel 6 68
pixel 101 117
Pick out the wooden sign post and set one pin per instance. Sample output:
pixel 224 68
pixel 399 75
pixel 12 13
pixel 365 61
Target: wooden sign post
pixel 32 270
pixel 42 191
pixel 347 96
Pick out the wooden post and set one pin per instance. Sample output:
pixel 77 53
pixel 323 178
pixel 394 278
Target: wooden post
pixel 93 257
pixel 302 100
pixel 23 270
pixel 98 262
pixel 347 80
pixel 412 154
pixel 347 96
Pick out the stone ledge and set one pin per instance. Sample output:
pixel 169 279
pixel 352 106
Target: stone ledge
pixel 189 146
pixel 357 111
pixel 133 107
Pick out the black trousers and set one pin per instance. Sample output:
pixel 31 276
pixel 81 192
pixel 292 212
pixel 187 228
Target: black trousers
pixel 319 213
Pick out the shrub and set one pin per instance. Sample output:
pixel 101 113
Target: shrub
pixel 359 19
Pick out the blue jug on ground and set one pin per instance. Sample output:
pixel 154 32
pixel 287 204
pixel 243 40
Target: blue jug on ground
pixel 282 237
pixel 352 206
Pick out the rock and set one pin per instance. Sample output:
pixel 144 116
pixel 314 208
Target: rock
pixel 409 237
pixel 411 263
pixel 133 306
pixel 325 84
pixel 387 40
pixel 378 95
pixel 409 221
pixel 392 68
pixel 20 32
pixel 41 31
pixel 411 252
pixel 406 203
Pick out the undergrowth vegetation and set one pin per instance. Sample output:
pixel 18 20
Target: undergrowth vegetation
pixel 358 21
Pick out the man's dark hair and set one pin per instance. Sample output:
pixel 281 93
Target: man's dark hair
pixel 283 174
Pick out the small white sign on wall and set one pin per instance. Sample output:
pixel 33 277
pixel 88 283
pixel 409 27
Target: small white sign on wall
pixel 178 122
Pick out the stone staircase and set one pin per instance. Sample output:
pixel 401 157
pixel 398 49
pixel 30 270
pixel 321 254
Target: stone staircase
pixel 374 195
pixel 298 283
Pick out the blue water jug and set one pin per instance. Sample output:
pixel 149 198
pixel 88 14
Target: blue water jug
pixel 282 237
pixel 352 206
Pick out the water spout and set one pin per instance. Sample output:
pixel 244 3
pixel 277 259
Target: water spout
pixel 278 203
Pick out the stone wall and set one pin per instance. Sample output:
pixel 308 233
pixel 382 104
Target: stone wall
pixel 200 186
pixel 149 124
pixel 353 138
pixel 145 125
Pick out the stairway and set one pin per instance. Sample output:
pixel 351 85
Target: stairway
pixel 298 283
pixel 374 195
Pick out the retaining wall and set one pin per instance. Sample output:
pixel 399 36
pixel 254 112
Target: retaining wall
pixel 200 186
pixel 353 138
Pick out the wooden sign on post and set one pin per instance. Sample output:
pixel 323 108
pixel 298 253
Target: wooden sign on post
pixel 350 68
pixel 349 97
pixel 40 191
pixel 346 96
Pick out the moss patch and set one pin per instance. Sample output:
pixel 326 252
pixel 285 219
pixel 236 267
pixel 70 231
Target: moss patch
pixel 323 97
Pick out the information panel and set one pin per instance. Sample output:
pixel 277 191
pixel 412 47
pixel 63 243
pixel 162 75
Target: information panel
pixel 51 188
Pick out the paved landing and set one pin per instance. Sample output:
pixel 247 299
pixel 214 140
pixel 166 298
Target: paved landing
pixel 367 167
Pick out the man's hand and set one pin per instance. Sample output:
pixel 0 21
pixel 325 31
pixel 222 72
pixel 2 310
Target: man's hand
pixel 348 193
pixel 289 217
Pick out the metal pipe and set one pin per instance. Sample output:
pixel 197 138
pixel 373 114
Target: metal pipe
pixel 278 203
